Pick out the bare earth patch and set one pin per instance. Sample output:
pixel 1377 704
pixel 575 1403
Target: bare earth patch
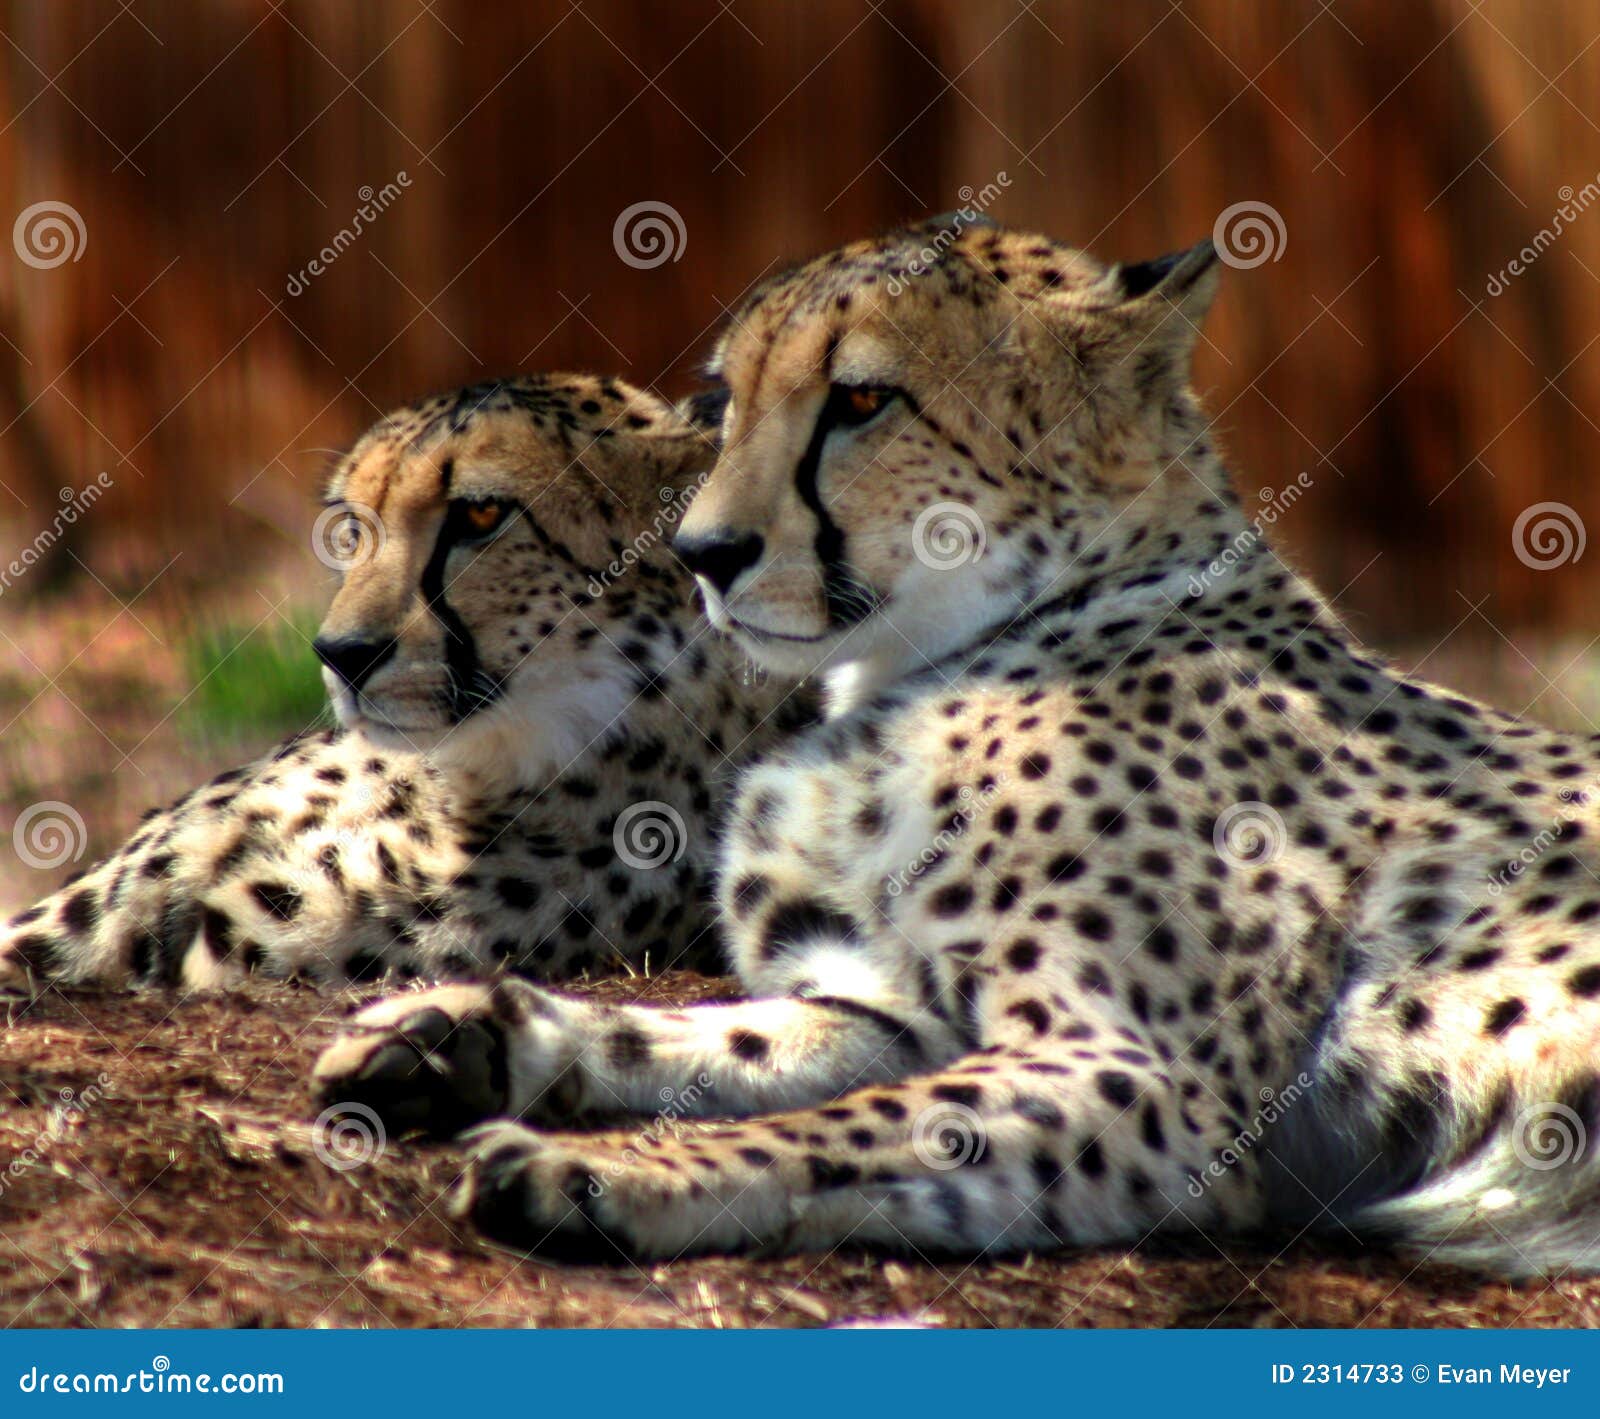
pixel 158 1168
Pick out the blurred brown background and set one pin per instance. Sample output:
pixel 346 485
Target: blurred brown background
pixel 211 151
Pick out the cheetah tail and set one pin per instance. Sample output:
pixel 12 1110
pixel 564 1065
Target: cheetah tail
pixel 1519 1197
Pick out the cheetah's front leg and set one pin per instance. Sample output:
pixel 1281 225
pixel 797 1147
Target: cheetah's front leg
pixel 441 1059
pixel 1005 1152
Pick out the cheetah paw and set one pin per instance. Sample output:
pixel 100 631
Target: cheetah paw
pixel 433 1060
pixel 529 1191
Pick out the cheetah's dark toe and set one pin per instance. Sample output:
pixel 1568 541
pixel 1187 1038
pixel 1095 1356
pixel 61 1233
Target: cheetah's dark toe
pixel 434 1061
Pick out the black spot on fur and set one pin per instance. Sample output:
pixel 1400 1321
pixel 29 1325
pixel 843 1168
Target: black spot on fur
pixel 804 921
pixel 746 1044
pixel 627 1048
pixel 1503 1016
pixel 1585 982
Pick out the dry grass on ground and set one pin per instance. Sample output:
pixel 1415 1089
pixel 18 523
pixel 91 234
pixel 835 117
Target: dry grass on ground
pixel 186 1191
pixel 191 1193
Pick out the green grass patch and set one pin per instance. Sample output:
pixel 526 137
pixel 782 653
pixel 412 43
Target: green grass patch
pixel 261 682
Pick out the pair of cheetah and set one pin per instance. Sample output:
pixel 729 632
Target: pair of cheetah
pixel 1014 980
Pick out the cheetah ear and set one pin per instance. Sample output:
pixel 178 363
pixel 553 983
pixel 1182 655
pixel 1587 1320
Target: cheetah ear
pixel 1176 272
pixel 1165 301
pixel 705 408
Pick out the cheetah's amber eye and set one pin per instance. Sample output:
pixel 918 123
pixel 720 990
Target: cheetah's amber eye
pixel 866 402
pixel 481 517
pixel 852 405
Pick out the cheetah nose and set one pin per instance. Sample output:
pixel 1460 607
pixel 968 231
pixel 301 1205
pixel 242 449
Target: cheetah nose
pixel 719 557
pixel 352 658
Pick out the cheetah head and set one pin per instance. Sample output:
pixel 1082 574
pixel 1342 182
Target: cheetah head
pixel 503 594
pixel 930 431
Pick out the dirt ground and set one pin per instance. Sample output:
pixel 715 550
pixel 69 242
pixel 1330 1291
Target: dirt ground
pixel 158 1167
pixel 163 1171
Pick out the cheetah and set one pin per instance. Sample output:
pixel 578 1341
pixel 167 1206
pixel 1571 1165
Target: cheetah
pixel 535 729
pixel 1119 891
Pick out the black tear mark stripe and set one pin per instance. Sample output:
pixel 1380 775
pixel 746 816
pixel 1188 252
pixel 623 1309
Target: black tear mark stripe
pixel 844 609
pixel 472 688
pixel 848 597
